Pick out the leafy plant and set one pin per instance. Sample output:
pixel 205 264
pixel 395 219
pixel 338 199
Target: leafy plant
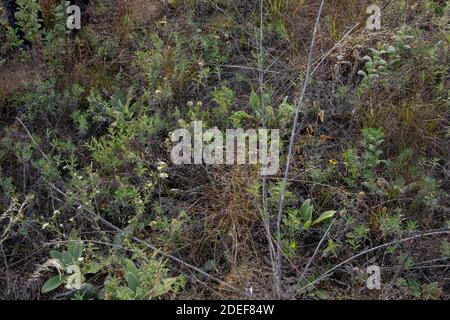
pixel 306 212
pixel 381 63
pixel 373 139
pixel 151 280
pixel 300 220
pixel 67 263
pixel 352 164
pixel 445 248
pixel 28 19
pixel 357 236
pixel 224 99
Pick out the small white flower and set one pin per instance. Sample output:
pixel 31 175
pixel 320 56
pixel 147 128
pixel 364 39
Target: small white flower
pixel 163 175
pixel 161 165
pixel 190 104
pixel 199 103
pixel 45 225
pixel 71 219
pixel 201 64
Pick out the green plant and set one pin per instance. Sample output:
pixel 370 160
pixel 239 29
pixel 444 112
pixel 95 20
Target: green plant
pixel 41 100
pixel 151 63
pixel 28 19
pixel 331 248
pixel 224 99
pixel 391 225
pixel 357 236
pixel 445 248
pixel 352 164
pixel 150 281
pixel 373 139
pixel 67 264
pixel 296 221
pixel 429 291
pixel 382 62
pixel 55 45
pixel 215 54
pixel 306 212
pixel 239 117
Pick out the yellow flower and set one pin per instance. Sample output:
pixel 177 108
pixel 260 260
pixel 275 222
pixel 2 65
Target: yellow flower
pixel 333 162
pixel 293 245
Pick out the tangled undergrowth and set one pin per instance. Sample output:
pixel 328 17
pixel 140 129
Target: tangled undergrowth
pixel 91 206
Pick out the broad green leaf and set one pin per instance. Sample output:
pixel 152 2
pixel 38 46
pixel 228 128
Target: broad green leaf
pixel 309 213
pixel 52 283
pixel 75 248
pixel 307 225
pixel 132 281
pixel 254 101
pixel 130 267
pixel 324 216
pixel 362 73
pixel 56 255
pixel 304 209
pixel 165 287
pixel 67 258
pixel 92 267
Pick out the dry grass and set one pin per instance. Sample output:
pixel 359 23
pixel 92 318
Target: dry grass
pixel 133 15
pixel 232 234
pixel 15 75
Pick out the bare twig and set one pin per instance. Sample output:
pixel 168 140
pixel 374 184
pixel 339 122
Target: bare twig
pixel 265 215
pixel 32 139
pixel 291 145
pixel 315 251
